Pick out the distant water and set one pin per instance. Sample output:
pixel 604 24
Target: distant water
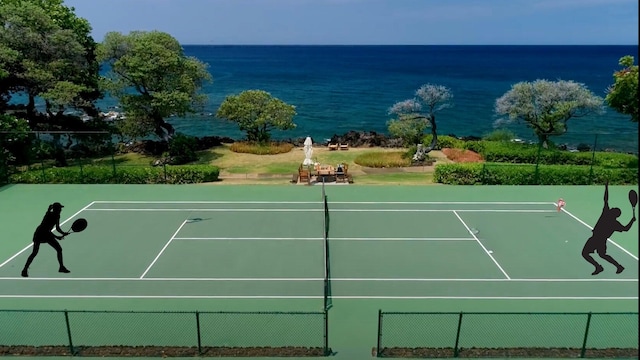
pixel 340 88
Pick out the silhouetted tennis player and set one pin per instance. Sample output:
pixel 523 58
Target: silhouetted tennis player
pixel 44 234
pixel 607 224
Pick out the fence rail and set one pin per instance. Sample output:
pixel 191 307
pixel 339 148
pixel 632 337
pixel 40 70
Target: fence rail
pixel 133 333
pixel 431 335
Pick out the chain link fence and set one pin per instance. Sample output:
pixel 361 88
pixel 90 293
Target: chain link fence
pixel 601 157
pixel 96 157
pixel 436 335
pixel 108 333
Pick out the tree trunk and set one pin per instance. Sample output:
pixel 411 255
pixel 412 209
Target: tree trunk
pixel 164 130
pixel 421 152
pixel 31 107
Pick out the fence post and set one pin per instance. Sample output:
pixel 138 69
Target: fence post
pixel 536 178
pixel 593 159
pixel 113 164
pixel 66 319
pixel 198 332
pixel 327 350
pixel 164 170
pixel 456 351
pixel 483 173
pixel 586 334
pixel 378 349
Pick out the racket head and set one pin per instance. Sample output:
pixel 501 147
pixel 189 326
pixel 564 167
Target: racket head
pixel 79 225
pixel 633 198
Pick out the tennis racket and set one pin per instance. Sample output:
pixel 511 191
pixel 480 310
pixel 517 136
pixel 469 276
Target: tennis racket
pixel 78 226
pixel 633 199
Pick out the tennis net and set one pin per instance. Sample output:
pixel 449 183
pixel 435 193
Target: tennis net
pixel 327 272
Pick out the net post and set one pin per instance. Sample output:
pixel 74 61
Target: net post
pixel 586 334
pixel 456 349
pixel 66 319
pixel 198 332
pixel 378 349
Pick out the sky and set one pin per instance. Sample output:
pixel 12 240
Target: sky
pixel 370 22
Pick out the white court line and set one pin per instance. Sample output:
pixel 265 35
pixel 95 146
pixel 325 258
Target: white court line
pixel 484 248
pixel 249 238
pixel 322 210
pixel 322 239
pixel 578 280
pixel 161 251
pixel 333 202
pixel 587 225
pixel 319 297
pixel 31 244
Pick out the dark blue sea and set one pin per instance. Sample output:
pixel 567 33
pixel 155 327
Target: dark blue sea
pixel 340 88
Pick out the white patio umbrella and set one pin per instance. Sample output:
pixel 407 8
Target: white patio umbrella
pixel 308 151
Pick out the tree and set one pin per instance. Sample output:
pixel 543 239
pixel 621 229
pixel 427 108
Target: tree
pixel 257 113
pixel 152 77
pixel 415 115
pixel 623 94
pixel 13 142
pixel 47 51
pixel 546 106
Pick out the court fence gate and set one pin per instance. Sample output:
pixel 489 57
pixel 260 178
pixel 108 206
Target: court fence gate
pixel 490 334
pixel 163 333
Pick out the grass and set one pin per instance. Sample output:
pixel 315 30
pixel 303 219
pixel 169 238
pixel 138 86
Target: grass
pixel 276 169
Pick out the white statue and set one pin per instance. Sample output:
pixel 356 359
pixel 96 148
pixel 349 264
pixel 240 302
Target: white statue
pixel 308 151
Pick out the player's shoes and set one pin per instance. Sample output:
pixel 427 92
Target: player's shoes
pixel 24 273
pixel 620 269
pixel 64 270
pixel 598 270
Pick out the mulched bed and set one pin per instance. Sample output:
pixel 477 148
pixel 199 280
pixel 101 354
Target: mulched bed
pixel 508 352
pixel 160 351
pixel 462 156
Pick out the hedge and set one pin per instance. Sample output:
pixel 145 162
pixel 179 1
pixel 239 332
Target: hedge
pixel 511 174
pixel 506 152
pixel 97 174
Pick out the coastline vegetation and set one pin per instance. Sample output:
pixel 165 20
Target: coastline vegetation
pixel 46 52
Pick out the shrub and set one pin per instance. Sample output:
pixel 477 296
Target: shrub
pixel 508 152
pixel 184 174
pixel 444 141
pixel 182 149
pixel 500 135
pixel 261 149
pixel 384 159
pixel 516 174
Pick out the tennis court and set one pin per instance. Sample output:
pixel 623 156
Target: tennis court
pixel 208 248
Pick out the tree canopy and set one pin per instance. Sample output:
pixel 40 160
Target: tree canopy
pixel 547 106
pixel 46 51
pixel 623 94
pixel 257 112
pixel 153 78
pixel 415 115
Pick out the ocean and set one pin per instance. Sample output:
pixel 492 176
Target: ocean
pixel 340 88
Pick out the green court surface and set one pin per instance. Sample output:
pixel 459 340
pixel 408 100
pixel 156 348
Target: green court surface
pixel 262 249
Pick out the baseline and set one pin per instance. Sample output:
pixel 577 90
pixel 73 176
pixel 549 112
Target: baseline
pixel 346 297
pixel 320 279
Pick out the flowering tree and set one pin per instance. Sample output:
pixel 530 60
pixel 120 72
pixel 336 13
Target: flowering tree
pixel 546 106
pixel 415 115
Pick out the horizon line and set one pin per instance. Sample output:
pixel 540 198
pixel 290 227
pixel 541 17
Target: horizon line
pixel 319 45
